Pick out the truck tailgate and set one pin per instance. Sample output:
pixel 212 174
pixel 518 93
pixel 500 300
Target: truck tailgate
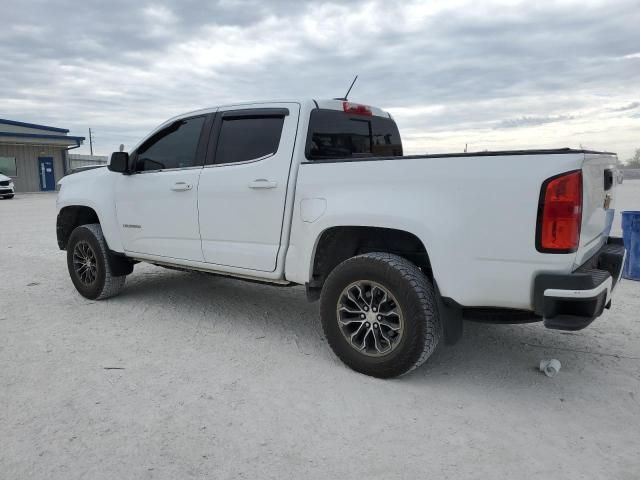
pixel 599 182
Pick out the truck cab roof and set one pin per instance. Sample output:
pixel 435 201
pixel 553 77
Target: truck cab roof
pixel 326 104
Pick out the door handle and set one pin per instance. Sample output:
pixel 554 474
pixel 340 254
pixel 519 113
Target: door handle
pixel 181 186
pixel 262 183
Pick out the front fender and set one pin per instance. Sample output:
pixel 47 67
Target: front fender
pixel 94 189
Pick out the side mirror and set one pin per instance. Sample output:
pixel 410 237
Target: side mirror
pixel 119 162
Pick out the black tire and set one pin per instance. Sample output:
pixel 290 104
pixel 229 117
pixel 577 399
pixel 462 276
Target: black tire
pixel 8 197
pixel 416 298
pixel 103 284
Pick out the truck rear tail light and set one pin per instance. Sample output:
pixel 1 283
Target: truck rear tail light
pixel 357 109
pixel 560 213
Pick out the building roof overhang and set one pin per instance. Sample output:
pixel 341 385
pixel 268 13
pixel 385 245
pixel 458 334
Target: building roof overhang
pixel 4 121
pixel 40 139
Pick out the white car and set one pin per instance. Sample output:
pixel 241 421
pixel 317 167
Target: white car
pixel 399 249
pixel 6 187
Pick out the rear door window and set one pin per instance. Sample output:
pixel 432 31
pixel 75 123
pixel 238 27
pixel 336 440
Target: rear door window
pixel 244 139
pixel 335 134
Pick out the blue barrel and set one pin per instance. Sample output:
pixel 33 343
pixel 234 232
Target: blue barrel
pixel 631 237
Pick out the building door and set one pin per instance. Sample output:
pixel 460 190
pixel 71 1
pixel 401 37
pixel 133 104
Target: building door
pixel 47 177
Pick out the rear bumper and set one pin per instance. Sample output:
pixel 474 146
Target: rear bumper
pixel 572 301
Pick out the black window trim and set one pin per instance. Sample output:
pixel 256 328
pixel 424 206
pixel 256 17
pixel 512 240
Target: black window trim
pixel 201 149
pixel 210 160
pixel 255 113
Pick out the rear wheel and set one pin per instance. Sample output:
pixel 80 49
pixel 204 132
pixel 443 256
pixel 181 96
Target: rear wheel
pixel 379 314
pixel 88 264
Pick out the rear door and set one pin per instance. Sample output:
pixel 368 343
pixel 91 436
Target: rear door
pixel 157 205
pixel 243 187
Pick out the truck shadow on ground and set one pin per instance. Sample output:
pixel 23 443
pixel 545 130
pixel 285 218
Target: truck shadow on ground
pixel 487 353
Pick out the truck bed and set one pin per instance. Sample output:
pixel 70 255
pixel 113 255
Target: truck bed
pixel 476 213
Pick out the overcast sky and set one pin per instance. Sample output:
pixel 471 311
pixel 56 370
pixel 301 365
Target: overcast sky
pixel 500 75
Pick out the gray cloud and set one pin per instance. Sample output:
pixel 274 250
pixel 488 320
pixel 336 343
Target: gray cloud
pixel 122 67
pixel 531 121
pixel 631 106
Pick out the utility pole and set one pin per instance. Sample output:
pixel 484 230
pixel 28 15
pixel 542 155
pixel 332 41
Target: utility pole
pixel 90 142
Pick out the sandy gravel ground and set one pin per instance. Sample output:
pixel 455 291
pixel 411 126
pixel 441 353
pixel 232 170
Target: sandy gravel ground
pixel 190 376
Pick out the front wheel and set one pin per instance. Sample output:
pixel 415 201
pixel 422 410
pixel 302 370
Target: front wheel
pixel 88 264
pixel 9 197
pixel 379 314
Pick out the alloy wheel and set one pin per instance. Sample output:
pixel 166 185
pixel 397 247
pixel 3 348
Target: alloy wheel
pixel 85 263
pixel 370 318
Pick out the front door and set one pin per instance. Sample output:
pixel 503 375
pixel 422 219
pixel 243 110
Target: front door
pixel 157 205
pixel 243 187
pixel 46 174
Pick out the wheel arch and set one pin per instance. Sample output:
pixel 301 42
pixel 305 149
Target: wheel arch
pixel 337 243
pixel 70 217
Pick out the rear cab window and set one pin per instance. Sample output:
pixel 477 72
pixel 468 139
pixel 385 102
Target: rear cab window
pixel 338 135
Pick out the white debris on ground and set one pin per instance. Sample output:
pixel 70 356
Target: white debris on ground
pixel 550 367
pixel 190 376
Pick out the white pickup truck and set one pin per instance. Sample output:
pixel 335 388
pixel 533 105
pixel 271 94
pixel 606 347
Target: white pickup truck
pixel 399 249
